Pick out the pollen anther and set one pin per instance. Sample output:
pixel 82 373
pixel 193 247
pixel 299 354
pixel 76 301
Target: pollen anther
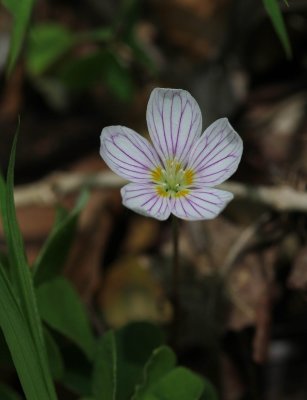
pixel 173 180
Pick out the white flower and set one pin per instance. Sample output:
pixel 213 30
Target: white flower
pixel 177 173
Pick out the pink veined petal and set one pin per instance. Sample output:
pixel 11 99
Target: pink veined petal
pixel 144 200
pixel 201 204
pixel 174 122
pixel 127 153
pixel 216 154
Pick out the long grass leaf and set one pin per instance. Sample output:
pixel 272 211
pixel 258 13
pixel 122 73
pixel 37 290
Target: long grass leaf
pixel 21 13
pixel 273 9
pixel 23 280
pixel 20 342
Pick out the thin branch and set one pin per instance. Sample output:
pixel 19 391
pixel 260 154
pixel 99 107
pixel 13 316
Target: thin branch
pixel 49 190
pixel 241 243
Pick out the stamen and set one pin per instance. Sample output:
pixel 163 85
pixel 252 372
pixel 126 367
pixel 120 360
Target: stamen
pixel 173 180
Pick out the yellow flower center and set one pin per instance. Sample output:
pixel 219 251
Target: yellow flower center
pixel 173 180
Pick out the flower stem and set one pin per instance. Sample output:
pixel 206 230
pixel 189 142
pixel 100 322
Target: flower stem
pixel 175 273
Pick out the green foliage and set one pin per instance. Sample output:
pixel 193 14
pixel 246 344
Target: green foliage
pixel 54 355
pixel 273 9
pixel 105 372
pixel 77 376
pixel 162 361
pixel 46 44
pixel 53 255
pixel 49 42
pixel 133 364
pixel 24 315
pixel 178 384
pixel 126 351
pixel 162 380
pixel 21 13
pixel 5 355
pixel 78 379
pixel 101 66
pixel 50 62
pixel 87 398
pixel 61 308
pixel 209 392
pixel 21 343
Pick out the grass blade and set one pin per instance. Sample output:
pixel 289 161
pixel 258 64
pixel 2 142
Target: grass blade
pixel 273 9
pixel 20 342
pixel 22 279
pixel 21 13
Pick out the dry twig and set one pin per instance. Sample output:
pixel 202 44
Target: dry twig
pixel 48 190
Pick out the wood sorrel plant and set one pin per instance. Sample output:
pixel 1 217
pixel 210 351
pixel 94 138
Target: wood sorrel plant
pixel 177 174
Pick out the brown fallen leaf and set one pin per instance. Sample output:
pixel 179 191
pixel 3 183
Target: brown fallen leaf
pixel 131 293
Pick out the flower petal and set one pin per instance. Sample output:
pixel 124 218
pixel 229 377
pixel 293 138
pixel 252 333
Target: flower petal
pixel 174 122
pixel 201 204
pixel 144 200
pixel 216 154
pixel 128 154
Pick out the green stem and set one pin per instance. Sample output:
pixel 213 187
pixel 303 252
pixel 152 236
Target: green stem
pixel 175 270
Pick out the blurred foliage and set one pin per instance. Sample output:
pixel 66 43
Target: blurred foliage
pixel 96 68
pixel 273 9
pixel 21 13
pixel 54 355
pixel 52 59
pixel 46 44
pixel 60 307
pixel 50 261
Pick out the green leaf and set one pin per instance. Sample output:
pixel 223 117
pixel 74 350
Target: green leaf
pixel 21 13
pixel 120 359
pixel 209 392
pixel 162 361
pixel 21 344
pixel 6 393
pixel 179 384
pixel 127 16
pixel 21 276
pixel 273 9
pixel 4 260
pixel 78 370
pixel 105 369
pixel 118 78
pixel 3 203
pixel 77 382
pixel 7 265
pixel 87 398
pixel 53 255
pixel 54 355
pixel 46 44
pixel 5 355
pixel 100 35
pixel 99 67
pixel 61 308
